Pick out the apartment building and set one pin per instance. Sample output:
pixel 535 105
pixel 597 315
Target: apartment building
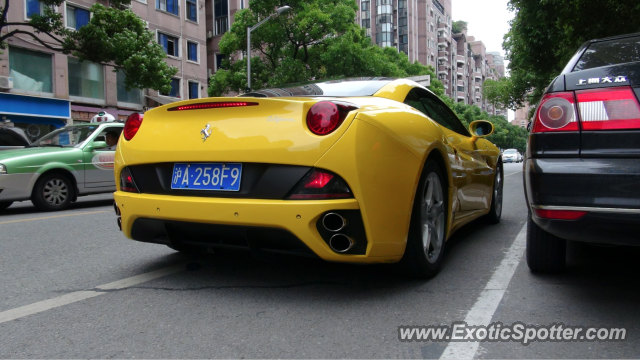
pixel 51 89
pixel 522 116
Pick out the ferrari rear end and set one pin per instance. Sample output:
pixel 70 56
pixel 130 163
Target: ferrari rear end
pixel 261 174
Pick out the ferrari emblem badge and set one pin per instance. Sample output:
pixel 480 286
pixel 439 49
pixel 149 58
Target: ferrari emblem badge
pixel 206 132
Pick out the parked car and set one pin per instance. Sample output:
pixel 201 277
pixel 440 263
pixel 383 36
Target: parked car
pixel 583 159
pixel 12 138
pixel 64 164
pixel 511 155
pixel 357 170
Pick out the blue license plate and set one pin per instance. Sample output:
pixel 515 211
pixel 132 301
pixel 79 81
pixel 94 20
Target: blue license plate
pixel 213 176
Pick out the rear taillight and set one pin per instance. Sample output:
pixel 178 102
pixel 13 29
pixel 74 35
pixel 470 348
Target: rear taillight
pixel 325 117
pixel 559 214
pixel 321 184
pixel 556 112
pixel 608 109
pixel 132 125
pixel 213 105
pixel 126 181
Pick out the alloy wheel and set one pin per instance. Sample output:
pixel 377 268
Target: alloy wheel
pixel 55 192
pixel 432 218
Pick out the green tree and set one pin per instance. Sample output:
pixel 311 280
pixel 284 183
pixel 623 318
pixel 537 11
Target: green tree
pixel 114 36
pixel 316 39
pixel 458 26
pixel 498 93
pixel 545 34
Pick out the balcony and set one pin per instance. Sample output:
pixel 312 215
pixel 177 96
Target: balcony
pixel 460 96
pixel 442 43
pixel 460 59
pixel 477 75
pixel 460 73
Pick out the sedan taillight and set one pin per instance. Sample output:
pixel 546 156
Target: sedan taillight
pixel 556 112
pixel 608 109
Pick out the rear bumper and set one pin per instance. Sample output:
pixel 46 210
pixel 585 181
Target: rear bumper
pixel 598 226
pixel 170 216
pixel 608 189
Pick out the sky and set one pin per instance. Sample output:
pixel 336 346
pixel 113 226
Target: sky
pixel 488 21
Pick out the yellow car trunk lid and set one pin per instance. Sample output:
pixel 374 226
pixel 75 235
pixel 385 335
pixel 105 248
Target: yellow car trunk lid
pixel 272 131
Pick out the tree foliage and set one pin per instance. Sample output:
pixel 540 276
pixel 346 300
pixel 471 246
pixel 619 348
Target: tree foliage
pixel 505 135
pixel 114 36
pixel 458 26
pixel 497 93
pixel 316 39
pixel 545 34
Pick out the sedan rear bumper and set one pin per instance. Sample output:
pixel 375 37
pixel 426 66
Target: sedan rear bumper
pixel 602 226
pixel 607 189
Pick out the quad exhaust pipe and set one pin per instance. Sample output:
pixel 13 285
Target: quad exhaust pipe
pixel 341 243
pixel 334 222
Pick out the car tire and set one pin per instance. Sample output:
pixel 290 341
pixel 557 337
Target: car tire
pixel 5 204
pixel 53 192
pixel 546 253
pixel 495 211
pixel 425 250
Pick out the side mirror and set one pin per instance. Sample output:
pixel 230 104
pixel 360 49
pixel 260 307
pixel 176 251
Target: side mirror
pixel 529 126
pixel 480 129
pixel 96 145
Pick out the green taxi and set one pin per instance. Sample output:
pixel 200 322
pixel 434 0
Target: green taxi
pixel 53 171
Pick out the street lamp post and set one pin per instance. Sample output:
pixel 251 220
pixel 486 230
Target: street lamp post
pixel 279 11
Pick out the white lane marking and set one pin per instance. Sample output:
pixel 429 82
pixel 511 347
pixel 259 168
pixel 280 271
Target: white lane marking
pixel 517 172
pixel 482 311
pixel 54 216
pixel 76 296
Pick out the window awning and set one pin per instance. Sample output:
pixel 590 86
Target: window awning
pixel 34 106
pixel 161 100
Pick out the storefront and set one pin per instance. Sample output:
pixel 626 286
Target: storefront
pixel 37 116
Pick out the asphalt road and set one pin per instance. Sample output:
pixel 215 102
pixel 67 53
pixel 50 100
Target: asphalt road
pixel 58 298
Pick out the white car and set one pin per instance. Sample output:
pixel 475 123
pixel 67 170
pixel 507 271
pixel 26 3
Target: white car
pixel 511 155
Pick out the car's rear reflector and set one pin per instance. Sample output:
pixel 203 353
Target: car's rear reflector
pixel 560 214
pixel 556 112
pixel 321 184
pixel 212 105
pixel 126 181
pixel 608 109
pixel 325 117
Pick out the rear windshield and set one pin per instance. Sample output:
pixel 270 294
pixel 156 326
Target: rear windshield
pixel 343 87
pixel 611 52
pixel 509 151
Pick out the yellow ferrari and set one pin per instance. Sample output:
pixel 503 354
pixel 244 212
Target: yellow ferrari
pixel 365 170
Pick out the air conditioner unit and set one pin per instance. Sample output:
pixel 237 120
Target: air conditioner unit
pixel 209 34
pixel 127 6
pixel 146 25
pixel 6 82
pixel 209 72
pixel 395 41
pixel 395 27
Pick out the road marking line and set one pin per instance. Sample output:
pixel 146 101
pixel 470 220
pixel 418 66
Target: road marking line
pixel 517 172
pixel 76 296
pixel 54 217
pixel 482 311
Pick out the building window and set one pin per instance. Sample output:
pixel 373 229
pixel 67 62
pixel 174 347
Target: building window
pixel 76 17
pixel 221 11
pixel 219 59
pixel 192 10
pixel 192 51
pixel 170 44
pixel 30 70
pixel 170 6
pixel 132 97
pixel 175 89
pixel 194 90
pixel 86 79
pixel 34 7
